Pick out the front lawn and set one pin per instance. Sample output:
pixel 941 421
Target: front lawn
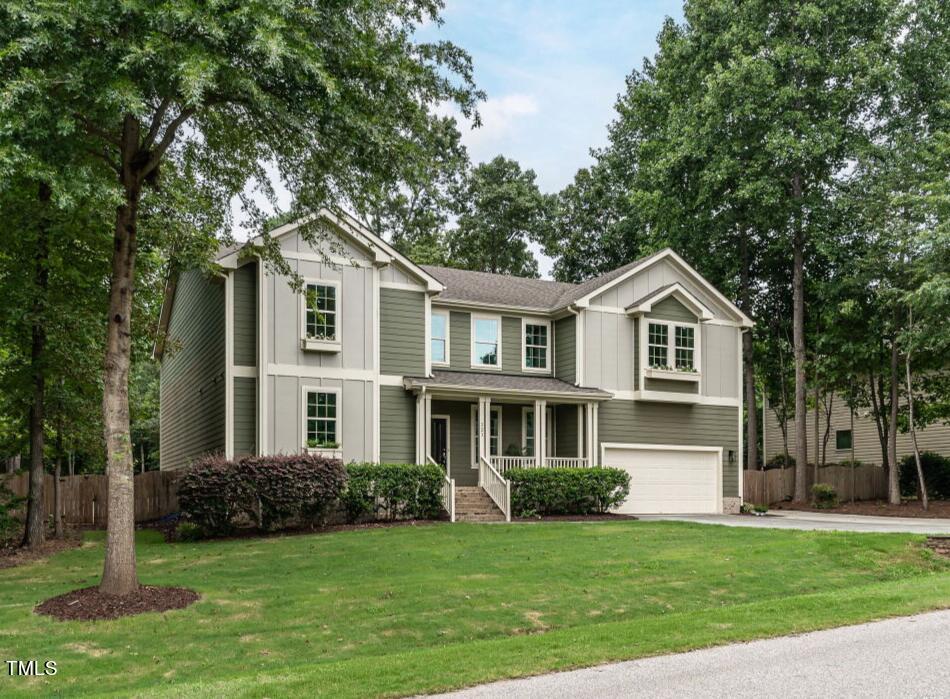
pixel 417 609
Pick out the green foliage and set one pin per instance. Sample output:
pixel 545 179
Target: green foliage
pixel 396 491
pixel 566 491
pixel 11 527
pixel 500 210
pixel 824 496
pixel 272 492
pixel 780 461
pixel 936 468
pixel 189 531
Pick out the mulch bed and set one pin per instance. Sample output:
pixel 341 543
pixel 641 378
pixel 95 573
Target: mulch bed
pixel 253 533
pixel 939 509
pixel 12 556
pixel 940 545
pixel 88 604
pixel 574 518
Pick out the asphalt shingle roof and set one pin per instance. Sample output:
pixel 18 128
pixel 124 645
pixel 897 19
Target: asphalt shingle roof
pixel 502 382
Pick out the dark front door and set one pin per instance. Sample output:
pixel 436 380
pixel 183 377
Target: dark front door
pixel 439 449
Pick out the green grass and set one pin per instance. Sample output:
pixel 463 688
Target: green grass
pixel 418 609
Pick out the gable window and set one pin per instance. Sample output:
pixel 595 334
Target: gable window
pixel 843 439
pixel 486 341
pixel 685 344
pixel 321 419
pixel 440 338
pixel 658 345
pixel 536 344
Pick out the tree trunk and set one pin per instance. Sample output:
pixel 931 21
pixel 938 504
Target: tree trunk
pixel 119 574
pixel 893 474
pixel 798 336
pixel 817 423
pixel 921 483
pixel 880 418
pixel 752 421
pixel 35 531
pixel 851 411
pixel 828 405
pixel 58 487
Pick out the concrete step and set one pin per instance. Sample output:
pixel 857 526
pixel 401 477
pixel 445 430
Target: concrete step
pixel 473 504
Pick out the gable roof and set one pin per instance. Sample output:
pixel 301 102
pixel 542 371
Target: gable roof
pixel 498 289
pixel 677 291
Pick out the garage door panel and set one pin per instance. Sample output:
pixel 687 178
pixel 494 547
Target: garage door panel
pixel 669 480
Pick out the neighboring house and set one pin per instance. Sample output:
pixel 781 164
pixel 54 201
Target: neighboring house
pixel 867 443
pixel 384 360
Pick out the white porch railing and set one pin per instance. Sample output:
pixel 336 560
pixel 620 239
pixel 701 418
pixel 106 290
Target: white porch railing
pixel 448 490
pixel 498 489
pixel 503 464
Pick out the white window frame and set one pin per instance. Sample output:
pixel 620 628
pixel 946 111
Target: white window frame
pixel 474 356
pixel 670 374
pixel 314 344
pixel 305 390
pixel 549 354
pixel 448 438
pixel 448 332
pixel 473 433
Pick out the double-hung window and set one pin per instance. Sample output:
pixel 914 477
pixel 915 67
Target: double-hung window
pixel 672 346
pixel 537 340
pixel 321 311
pixel 658 345
pixel 440 338
pixel 685 346
pixel 322 419
pixel 486 341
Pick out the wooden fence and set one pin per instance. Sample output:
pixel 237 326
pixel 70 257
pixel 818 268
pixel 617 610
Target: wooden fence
pixel 86 498
pixel 775 485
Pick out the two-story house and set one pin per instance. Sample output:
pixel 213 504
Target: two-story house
pixel 383 360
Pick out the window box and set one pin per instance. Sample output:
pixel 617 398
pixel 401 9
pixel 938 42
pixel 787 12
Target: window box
pixel 671 374
pixel 312 344
pixel 326 452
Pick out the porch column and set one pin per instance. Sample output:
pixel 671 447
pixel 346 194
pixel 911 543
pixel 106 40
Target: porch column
pixel 580 431
pixel 595 419
pixel 589 432
pixel 420 429
pixel 484 427
pixel 426 426
pixel 540 432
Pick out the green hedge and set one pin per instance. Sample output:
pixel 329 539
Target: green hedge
pixel 393 491
pixel 566 491
pixel 936 475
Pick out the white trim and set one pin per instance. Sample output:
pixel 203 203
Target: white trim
pixel 448 439
pixel 548 351
pixel 673 447
pixel 337 260
pixel 525 411
pixel 595 407
pixel 375 427
pixel 671 325
pixel 740 462
pixel 304 390
pixel 475 364
pixel 320 372
pixel 610 310
pixel 474 306
pixel 229 365
pixel 308 343
pixel 579 337
pixel 427 333
pixel 473 432
pixel 402 286
pixel 243 371
pixel 666 397
pixel 448 332
pixel 390 380
pixel 262 342
pixel 681 294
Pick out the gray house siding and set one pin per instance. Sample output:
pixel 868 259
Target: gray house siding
pixel 402 318
pixel 565 436
pixel 671 309
pixel 675 424
pixel 460 334
pixel 397 425
pixel 511 344
pixel 460 440
pixel 192 411
pixel 245 416
pixel 565 343
pixel 245 315
pixel 460 343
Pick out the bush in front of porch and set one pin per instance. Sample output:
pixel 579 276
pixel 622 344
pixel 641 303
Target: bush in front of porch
pixel 392 491
pixel 566 491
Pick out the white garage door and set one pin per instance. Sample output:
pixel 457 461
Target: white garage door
pixel 667 479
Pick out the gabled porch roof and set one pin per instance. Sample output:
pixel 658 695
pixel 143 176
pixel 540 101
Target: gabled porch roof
pixel 503 385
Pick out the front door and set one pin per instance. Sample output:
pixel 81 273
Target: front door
pixel 439 447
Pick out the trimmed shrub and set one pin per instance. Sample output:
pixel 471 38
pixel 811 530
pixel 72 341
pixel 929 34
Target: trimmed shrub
pixel 189 531
pixel 936 475
pixel 270 492
pixel 10 527
pixel 780 461
pixel 848 463
pixel 396 491
pixel 824 495
pixel 566 491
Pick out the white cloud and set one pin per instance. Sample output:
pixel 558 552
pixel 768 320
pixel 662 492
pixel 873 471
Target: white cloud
pixel 500 117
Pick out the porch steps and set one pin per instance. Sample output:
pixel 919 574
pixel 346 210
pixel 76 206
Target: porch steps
pixel 473 504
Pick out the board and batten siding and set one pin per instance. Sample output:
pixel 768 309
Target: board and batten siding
pixel 397 425
pixel 640 422
pixel 867 445
pixel 402 332
pixel 245 315
pixel 565 344
pixel 192 383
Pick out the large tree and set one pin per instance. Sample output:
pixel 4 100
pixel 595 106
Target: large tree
pixel 169 93
pixel 500 210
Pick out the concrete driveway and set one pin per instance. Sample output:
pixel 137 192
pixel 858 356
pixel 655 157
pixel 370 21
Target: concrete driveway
pixel 788 519
pixel 905 657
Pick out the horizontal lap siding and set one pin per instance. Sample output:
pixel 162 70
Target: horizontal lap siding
pixel 402 332
pixel 671 309
pixel 245 315
pixel 192 410
pixel 245 416
pixel 511 344
pixel 565 343
pixel 565 430
pixel 460 356
pixel 674 424
pixel 397 425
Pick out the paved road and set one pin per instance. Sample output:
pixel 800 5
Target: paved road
pixel 788 519
pixel 908 657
